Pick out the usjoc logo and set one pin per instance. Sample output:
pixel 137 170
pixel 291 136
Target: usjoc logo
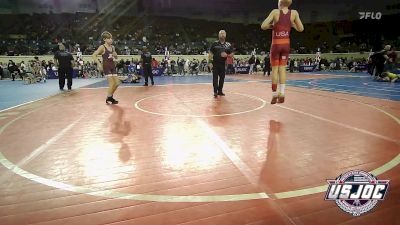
pixel 370 15
pixel 356 192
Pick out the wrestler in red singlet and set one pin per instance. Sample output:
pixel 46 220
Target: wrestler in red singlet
pixel 281 21
pixel 280 47
pixel 108 53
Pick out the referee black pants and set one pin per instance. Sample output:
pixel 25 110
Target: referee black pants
pixel 62 74
pixel 218 72
pixel 148 72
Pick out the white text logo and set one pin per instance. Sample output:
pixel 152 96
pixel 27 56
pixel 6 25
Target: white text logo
pixel 370 15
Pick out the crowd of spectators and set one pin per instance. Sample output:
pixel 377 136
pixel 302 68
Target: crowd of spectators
pixel 38 34
pixel 178 66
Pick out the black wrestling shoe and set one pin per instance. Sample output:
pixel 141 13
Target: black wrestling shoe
pixel 221 94
pixel 145 85
pixel 111 100
pixel 215 95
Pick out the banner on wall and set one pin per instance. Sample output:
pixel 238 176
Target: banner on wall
pixel 307 68
pixel 362 67
pixel 243 69
pixel 53 74
pixel 155 71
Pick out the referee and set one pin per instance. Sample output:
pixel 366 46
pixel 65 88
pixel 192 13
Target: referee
pixel 64 62
pixel 217 55
pixel 146 59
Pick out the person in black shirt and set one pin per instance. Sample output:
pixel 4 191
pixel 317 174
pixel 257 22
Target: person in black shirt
pixel 1 72
pixel 12 69
pixel 181 65
pixel 146 59
pixel 252 61
pixel 267 64
pixel 378 60
pixel 65 62
pixel 219 50
pixel 291 65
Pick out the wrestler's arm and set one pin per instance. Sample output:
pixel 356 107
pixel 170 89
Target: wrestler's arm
pixel 297 24
pixel 267 24
pixel 115 55
pixel 99 51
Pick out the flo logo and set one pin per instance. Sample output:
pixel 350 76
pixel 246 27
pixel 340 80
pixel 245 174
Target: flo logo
pixel 356 192
pixel 370 15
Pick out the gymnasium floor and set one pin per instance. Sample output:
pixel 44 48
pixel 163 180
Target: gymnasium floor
pixel 172 154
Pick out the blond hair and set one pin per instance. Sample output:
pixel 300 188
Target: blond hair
pixel 106 35
pixel 285 3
